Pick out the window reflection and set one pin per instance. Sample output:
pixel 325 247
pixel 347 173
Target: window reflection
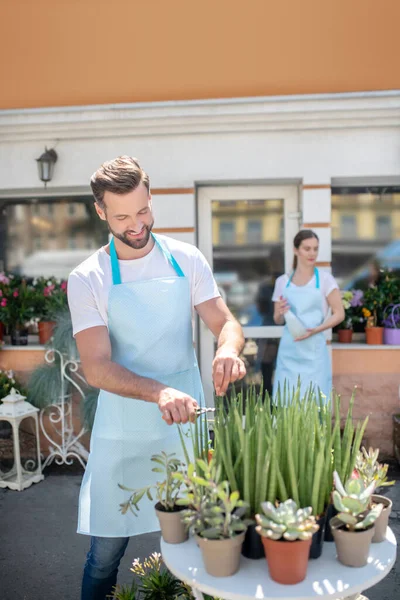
pixel 50 237
pixel 248 255
pixel 365 228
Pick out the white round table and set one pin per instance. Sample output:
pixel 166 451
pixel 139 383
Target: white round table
pixel 327 578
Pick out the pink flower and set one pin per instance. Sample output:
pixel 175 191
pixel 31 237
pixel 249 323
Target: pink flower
pixel 355 474
pixel 48 290
pixel 1 293
pixel 16 294
pixel 64 286
pixel 4 279
pixel 3 303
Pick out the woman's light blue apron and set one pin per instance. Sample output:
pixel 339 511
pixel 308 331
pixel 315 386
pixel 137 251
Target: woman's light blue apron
pixel 308 359
pixel 150 328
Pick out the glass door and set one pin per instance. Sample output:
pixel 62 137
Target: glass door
pixel 246 233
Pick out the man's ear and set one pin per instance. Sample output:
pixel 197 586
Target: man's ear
pixel 100 212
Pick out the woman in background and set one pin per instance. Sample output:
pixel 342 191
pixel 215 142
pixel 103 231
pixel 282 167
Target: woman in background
pixel 309 293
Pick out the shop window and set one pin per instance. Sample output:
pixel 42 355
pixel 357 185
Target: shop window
pixel 383 227
pixel 348 226
pixel 365 232
pixel 39 239
pixel 227 232
pixel 254 232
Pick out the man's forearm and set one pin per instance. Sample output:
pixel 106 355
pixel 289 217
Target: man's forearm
pixel 111 377
pixel 231 337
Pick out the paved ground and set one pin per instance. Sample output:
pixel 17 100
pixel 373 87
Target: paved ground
pixel 41 556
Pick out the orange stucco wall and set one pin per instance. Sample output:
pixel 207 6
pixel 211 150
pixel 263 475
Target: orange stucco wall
pixel 75 52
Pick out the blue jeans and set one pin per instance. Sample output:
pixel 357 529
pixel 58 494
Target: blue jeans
pixel 101 568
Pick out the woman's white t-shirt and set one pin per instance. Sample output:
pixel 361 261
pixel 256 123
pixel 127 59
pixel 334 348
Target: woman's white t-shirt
pixel 90 283
pixel 326 281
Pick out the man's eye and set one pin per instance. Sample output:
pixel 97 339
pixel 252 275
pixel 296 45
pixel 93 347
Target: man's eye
pixel 121 218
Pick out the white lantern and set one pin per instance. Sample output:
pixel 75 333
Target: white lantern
pixel 14 410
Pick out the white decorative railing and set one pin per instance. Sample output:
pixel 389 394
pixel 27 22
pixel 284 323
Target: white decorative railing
pixel 58 427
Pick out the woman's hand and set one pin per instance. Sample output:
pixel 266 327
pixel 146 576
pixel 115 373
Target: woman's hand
pixel 307 335
pixel 283 306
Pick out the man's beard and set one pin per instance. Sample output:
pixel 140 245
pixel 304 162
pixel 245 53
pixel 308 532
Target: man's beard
pixel 135 244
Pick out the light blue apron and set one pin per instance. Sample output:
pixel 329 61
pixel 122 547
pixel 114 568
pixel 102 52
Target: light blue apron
pixel 150 328
pixel 308 359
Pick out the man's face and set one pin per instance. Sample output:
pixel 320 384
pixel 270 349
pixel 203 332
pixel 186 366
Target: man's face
pixel 129 216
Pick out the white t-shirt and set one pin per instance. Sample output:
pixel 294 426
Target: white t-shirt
pixel 326 281
pixel 89 284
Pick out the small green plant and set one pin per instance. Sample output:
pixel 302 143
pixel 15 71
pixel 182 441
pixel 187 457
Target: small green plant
pixel 370 470
pixel 126 592
pixel 352 502
pixel 167 490
pixel 286 521
pixel 213 512
pixel 155 581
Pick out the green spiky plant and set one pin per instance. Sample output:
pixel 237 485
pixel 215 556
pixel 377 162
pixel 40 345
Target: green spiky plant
pixel 287 450
pixel 243 443
pixel 45 384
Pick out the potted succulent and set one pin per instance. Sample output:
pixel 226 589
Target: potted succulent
pixel 16 309
pixel 216 517
pixel 351 300
pixel 374 300
pixel 354 526
pixel 50 300
pixel 391 324
pixel 371 471
pixel 286 533
pixel 167 507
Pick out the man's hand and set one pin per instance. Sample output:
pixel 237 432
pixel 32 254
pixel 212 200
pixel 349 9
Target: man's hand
pixel 227 368
pixel 176 407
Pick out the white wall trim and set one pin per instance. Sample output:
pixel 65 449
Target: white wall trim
pixel 233 115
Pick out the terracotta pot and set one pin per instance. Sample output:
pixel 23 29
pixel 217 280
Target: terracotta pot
pixel 253 546
pixel 352 546
pixel 221 557
pixel 345 336
pixel 46 331
pixel 382 522
pixel 396 437
pixel 173 530
pixel 374 335
pixel 287 561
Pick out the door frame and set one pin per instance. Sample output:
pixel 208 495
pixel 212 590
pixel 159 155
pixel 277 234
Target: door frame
pixel 292 217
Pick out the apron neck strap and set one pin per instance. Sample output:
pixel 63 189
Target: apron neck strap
pixel 316 273
pixel 116 274
pixel 168 256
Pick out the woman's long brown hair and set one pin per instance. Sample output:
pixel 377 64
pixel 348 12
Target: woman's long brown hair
pixel 304 234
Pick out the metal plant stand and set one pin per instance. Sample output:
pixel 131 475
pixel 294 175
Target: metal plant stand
pixel 64 442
